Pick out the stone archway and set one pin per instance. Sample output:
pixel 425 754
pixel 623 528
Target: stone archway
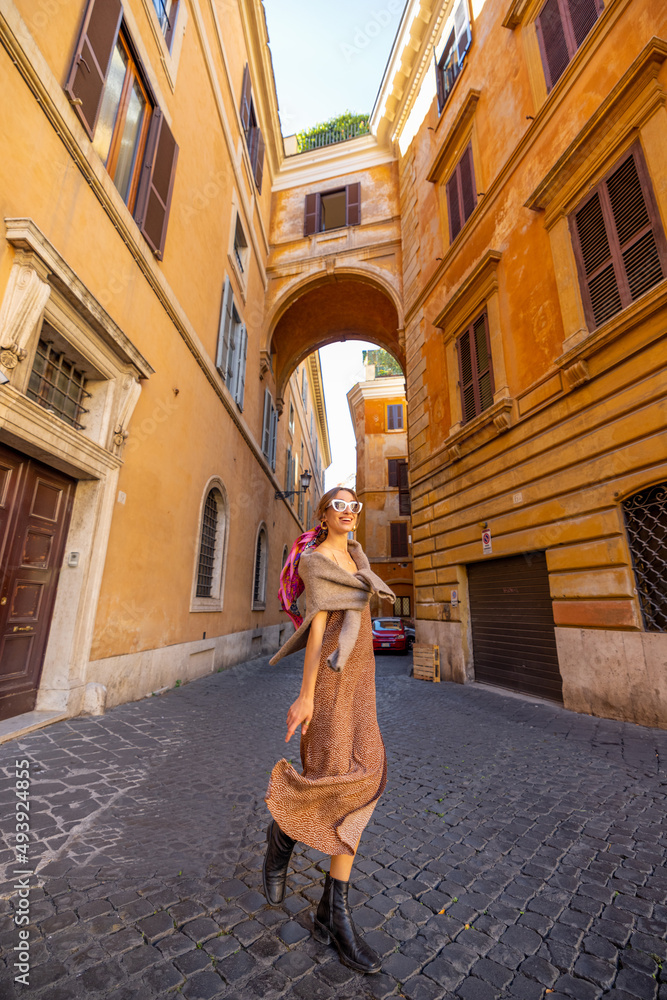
pixel 331 308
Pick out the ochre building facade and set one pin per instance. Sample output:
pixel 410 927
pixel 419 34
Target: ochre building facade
pixel 167 272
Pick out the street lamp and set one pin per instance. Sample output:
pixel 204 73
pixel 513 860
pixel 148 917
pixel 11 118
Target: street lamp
pixel 304 483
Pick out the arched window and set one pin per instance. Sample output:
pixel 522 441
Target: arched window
pixel 259 576
pixel 207 591
pixel 646 522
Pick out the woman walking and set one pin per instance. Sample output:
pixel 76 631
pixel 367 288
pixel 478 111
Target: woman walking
pixel 342 752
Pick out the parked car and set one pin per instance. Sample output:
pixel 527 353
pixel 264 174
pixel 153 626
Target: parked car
pixel 390 634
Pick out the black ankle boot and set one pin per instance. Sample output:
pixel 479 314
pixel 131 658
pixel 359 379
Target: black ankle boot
pixel 276 861
pixel 333 923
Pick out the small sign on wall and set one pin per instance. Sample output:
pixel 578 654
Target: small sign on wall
pixel 455 598
pixel 487 548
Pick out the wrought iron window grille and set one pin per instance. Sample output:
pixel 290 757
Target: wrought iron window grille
pixel 646 523
pixel 58 385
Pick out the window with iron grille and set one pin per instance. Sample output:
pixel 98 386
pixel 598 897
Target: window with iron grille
pixel 402 607
pixel 618 240
pixel 646 524
pixel 259 582
pixel 475 368
pixel 207 545
pixel 562 25
pixel 403 490
pixel 57 383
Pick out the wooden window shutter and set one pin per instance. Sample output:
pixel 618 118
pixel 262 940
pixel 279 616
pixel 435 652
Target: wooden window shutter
pixel 240 377
pixel 403 489
pixel 312 215
pixel 553 42
pixel 475 368
pixel 258 157
pixel 439 84
pixel 619 242
pixel 467 184
pixel 157 183
pixel 224 331
pixel 92 56
pixel 392 479
pixel 390 419
pixel 266 424
pixel 399 539
pixel 353 204
pixel 453 210
pixel 462 29
pixel 246 97
pixel 466 375
pixel 273 436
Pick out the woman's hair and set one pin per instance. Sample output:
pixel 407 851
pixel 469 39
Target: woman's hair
pixel 327 497
pixel 291 584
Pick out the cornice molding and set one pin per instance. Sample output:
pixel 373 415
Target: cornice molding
pixel 517 13
pixel 329 162
pixel 452 141
pixel 471 293
pixel 315 368
pixel 636 96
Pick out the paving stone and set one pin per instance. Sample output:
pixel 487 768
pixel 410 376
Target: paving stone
pixel 422 988
pixel 444 973
pixel 156 926
pixel 223 946
pixel 636 983
pixel 580 989
pixel 292 932
pixel 335 974
pixel 175 944
pixel 525 988
pixel 192 961
pixel 475 989
pixel 596 969
pixel 490 972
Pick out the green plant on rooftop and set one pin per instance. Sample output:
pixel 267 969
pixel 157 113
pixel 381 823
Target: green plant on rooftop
pixel 338 129
pixel 385 366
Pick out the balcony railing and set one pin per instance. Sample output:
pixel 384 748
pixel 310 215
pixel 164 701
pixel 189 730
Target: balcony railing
pixel 331 136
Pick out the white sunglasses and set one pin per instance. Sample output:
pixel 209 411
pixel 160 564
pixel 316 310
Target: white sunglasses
pixel 354 506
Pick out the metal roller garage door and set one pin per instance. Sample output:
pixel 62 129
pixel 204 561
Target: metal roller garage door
pixel 513 639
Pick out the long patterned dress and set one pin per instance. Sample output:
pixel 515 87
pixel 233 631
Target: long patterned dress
pixel 342 754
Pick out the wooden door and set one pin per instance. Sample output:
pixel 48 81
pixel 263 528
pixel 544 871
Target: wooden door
pixel 35 508
pixel 513 637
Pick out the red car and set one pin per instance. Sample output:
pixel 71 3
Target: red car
pixel 388 634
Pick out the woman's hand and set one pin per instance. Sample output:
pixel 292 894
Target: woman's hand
pixel 301 712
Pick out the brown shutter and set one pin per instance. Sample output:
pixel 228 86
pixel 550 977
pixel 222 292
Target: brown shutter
pixel 467 377
pixel 392 475
pixel 439 85
pixel 483 362
pixel 353 204
pixel 403 489
pixel 92 56
pixel 618 240
pixel 453 210
pixel 467 184
pixel 156 183
pixel 583 15
pixel 553 43
pixel 312 216
pixel 258 159
pixel 246 97
pixel 399 539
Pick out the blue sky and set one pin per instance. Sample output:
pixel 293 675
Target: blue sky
pixel 328 55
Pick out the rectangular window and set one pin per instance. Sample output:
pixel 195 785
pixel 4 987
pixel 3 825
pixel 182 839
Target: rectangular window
pixel 166 12
pixel 461 193
pixel 291 418
pixel 393 471
pixel 395 417
pixel 128 130
pixel 475 368
pixel 618 240
pixel 402 607
pixel 269 429
pixel 449 61
pixel 57 383
pixel 122 125
pixel 562 25
pixel 253 134
pixel 332 209
pixel 232 346
pixel 304 389
pixel 399 539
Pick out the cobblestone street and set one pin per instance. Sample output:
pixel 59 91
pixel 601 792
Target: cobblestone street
pixel 518 850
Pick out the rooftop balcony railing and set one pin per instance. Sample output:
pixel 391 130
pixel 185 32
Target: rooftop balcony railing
pixel 328 137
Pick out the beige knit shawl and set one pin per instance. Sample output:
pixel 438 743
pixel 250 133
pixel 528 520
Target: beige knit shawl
pixel 329 587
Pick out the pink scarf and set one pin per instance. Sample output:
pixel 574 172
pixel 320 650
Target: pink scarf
pixel 291 584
